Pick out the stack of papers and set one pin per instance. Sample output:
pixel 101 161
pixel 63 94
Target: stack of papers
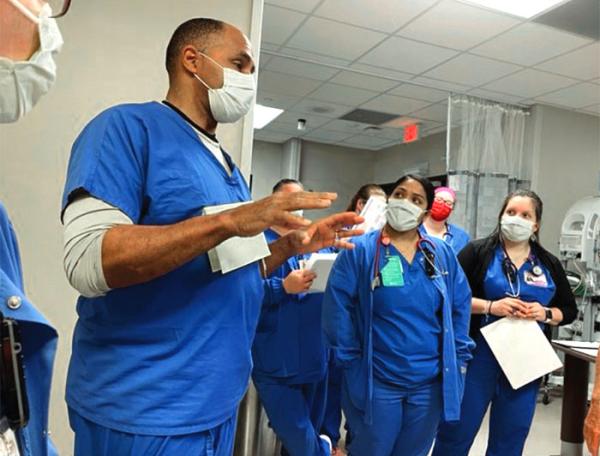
pixel 235 252
pixel 522 350
pixel 320 264
pixel 374 214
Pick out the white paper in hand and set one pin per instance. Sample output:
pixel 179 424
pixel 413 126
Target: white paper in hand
pixel 373 213
pixel 521 349
pixel 235 252
pixel 320 264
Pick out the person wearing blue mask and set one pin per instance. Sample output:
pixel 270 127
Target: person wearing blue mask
pixel 396 313
pixel 161 349
pixel 512 276
pixel 29 41
pixel 289 354
pixel 436 223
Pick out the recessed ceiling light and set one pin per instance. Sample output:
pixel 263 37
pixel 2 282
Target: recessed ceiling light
pixel 264 115
pixel 521 8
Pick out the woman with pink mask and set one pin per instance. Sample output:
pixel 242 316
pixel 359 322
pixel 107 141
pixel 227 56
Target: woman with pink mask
pixel 436 223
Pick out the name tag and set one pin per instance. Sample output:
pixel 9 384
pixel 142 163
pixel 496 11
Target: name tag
pixel 536 281
pixel 392 275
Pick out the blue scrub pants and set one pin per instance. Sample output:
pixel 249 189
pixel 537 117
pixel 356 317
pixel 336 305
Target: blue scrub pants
pixel 92 439
pixel 333 410
pixel 296 414
pixel 404 421
pixel 511 413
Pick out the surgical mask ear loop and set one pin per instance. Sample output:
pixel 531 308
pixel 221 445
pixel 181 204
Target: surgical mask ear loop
pixel 23 9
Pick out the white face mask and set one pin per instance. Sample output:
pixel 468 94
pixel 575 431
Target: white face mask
pixel 402 215
pixel 231 102
pixel 22 84
pixel 516 228
pixel 298 213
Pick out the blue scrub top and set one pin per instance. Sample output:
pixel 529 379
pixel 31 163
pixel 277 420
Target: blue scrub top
pixel 348 310
pixel 170 356
pixel 407 326
pixel 496 284
pixel 39 340
pixel 455 237
pixel 289 343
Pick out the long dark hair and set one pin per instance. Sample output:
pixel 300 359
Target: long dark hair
pixel 363 193
pixel 425 183
pixel 538 206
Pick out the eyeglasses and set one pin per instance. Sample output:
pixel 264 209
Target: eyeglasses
pixel 448 203
pixel 59 7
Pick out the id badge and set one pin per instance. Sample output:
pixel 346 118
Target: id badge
pixel 392 274
pixel 8 440
pixel 535 281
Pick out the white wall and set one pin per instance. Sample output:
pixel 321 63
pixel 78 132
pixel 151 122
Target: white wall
pixel 266 167
pixel 113 53
pixel 335 169
pixel 391 162
pixel 566 148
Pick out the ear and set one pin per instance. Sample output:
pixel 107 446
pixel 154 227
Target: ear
pixel 191 60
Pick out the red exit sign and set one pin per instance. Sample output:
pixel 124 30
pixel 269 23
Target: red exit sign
pixel 411 133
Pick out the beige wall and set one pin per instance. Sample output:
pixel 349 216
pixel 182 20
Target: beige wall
pixel 113 53
pixel 566 148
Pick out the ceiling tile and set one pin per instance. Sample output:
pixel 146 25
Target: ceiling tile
pixel 583 63
pixel 279 24
pixel 529 83
pixel 347 126
pixel 268 46
pixel 495 96
pixel 437 112
pixel 390 134
pixel 285 84
pixel 406 55
pixel 367 141
pixel 394 105
pixel 363 81
pixel 342 94
pixel 386 16
pixel 420 93
pixel 312 120
pixel 302 69
pixel 306 6
pixel 314 56
pixel 324 35
pixel 530 44
pixel 457 25
pixel 593 109
pixel 270 136
pixel 322 108
pixel 472 70
pixel 577 96
pixel 441 85
pixel 327 135
pixel 284 128
pixel 276 100
pixel 398 76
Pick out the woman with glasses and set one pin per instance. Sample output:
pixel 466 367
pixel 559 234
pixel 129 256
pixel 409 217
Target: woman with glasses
pixel 511 275
pixel 436 223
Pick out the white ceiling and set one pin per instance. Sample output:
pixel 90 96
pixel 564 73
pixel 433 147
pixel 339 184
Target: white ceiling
pixel 403 58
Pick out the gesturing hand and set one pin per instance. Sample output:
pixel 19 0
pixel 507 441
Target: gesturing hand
pixel 254 218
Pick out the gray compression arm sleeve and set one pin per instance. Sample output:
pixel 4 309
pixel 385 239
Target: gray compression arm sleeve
pixel 86 221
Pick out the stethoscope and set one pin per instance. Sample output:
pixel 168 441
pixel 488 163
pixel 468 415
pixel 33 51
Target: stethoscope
pixel 425 246
pixel 512 273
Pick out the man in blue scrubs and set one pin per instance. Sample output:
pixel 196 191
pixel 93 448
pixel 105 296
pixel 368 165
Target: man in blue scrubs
pixel 161 351
pixel 29 40
pixel 290 358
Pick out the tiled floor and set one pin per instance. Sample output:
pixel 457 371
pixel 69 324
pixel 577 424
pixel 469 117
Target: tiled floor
pixel 544 438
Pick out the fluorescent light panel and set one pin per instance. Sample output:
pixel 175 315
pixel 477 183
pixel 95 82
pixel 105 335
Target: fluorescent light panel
pixel 264 115
pixel 521 8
